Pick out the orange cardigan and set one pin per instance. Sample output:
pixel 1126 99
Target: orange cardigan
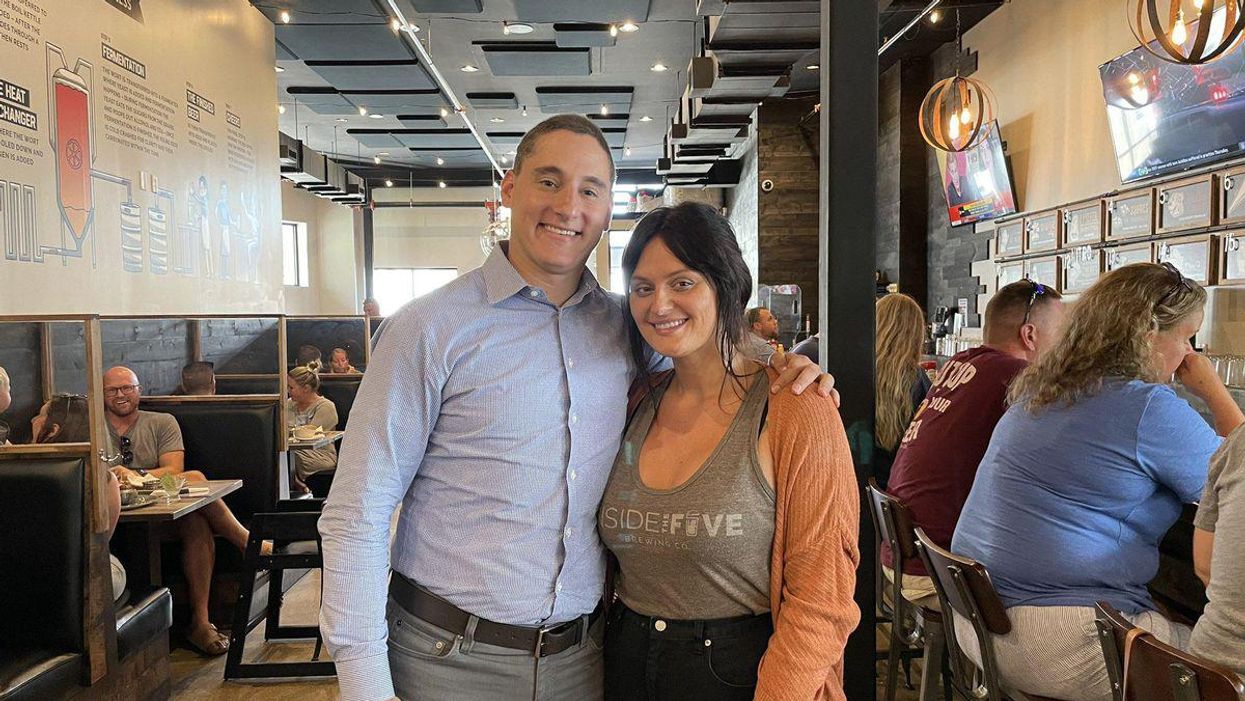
pixel 813 564
pixel 815 554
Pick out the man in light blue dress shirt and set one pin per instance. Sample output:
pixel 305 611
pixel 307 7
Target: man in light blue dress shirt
pixel 492 410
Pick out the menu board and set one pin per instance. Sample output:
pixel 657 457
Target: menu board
pixel 1234 257
pixel 1042 232
pixel 137 158
pixel 1081 269
pixel 1186 206
pixel 1010 239
pixel 1009 273
pixel 1082 225
pixel 1131 216
pixel 1043 270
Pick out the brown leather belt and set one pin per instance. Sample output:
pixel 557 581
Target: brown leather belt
pixel 541 642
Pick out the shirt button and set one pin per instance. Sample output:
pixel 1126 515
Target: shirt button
pixel 574 418
pixel 558 587
pixel 572 475
pixel 570 363
pixel 567 531
pixel 660 625
pixel 534 293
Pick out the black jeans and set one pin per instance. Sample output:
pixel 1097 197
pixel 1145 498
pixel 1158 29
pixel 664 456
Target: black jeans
pixel 657 659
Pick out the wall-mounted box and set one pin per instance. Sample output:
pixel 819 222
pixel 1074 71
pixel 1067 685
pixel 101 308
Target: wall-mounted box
pixel 1232 258
pixel 1121 256
pixel 1194 256
pixel 1130 214
pixel 1042 231
pixel 1043 270
pixel 1186 204
pixel 1009 273
pixel 1080 268
pixel 1232 196
pixel 1083 224
pixel 1009 239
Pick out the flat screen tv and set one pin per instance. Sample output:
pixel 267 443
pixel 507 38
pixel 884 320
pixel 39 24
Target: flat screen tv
pixel 977 182
pixel 1167 117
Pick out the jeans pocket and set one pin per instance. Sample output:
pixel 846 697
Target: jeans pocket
pixel 413 636
pixel 734 661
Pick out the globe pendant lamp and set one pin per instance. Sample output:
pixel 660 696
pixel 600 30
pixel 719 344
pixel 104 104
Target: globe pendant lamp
pixel 1188 32
pixel 956 111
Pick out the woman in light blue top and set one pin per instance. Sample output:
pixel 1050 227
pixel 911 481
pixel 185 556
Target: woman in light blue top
pixel 1086 472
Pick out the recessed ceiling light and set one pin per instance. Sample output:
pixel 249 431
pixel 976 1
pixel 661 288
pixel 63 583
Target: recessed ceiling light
pixel 627 151
pixel 342 119
pixel 444 113
pixel 362 111
pixel 375 116
pixel 517 28
pixel 383 153
pixel 496 120
pixel 813 66
pixel 279 69
pixel 613 30
pixel 395 25
pixel 285 16
pixel 388 183
pixel 935 16
pixel 605 110
pixel 440 161
pixel 441 184
pixel 280 109
pixel 629 26
pixel 659 67
pixel 646 118
pixel 524 110
pixel 376 160
pixel 468 68
pixel 505 158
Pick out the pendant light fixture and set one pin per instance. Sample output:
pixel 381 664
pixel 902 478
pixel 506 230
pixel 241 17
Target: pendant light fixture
pixel 957 110
pixel 1189 32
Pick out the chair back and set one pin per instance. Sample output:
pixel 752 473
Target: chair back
pixel 43 560
pixel 248 384
pixel 1143 668
pixel 964 587
pixel 341 390
pixel 892 522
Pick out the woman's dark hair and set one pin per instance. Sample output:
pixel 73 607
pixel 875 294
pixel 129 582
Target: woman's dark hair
pixel 69 411
pixel 704 241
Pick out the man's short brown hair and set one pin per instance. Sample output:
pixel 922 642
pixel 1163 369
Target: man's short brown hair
pixel 754 314
pixel 199 377
pixel 574 123
pixel 1007 308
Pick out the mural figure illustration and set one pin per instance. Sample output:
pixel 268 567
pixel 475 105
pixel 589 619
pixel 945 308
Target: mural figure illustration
pixel 227 223
pixel 197 203
pixel 250 236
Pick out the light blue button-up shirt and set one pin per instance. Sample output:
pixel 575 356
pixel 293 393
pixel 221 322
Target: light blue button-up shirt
pixel 494 417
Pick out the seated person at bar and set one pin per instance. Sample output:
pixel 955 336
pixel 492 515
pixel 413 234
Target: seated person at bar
pixel 65 418
pixel 309 357
pixel 306 407
pixel 371 307
pixel 938 455
pixel 150 443
pixel 1219 558
pixel 901 382
pixel 199 378
pixel 1085 473
pixel 339 363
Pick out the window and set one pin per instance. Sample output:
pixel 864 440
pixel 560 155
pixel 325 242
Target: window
pixel 618 241
pixel 395 287
pixel 297 271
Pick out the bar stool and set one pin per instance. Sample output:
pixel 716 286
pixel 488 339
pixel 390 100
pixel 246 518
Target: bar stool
pixel 964 587
pixel 296 545
pixel 1142 668
pixel 915 631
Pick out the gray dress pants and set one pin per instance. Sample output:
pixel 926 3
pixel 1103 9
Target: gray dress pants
pixel 431 664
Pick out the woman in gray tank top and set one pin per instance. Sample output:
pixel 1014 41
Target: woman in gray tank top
pixel 724 499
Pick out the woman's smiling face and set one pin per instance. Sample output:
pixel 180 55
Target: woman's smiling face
pixel 675 308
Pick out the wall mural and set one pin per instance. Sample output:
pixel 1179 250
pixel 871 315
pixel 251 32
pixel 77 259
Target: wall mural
pixel 135 168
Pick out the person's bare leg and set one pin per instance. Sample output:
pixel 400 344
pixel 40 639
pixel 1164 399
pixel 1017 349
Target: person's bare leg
pixel 225 524
pixel 198 557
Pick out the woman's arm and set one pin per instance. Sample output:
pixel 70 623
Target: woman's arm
pixel 1199 377
pixel 819 513
pixel 1203 549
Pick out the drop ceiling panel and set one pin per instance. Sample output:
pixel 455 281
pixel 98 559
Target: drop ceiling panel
pixel 584 100
pixel 582 10
pixel 422 121
pixel 375 139
pixel 701 107
pixel 535 59
pixel 407 101
pixel 436 138
pixel 493 100
pixel 765 28
pixel 373 75
pixel 584 34
pixel 326 103
pixel 325 12
pixel 505 139
pixel 615 137
pixel 611 121
pixel 342 42
pixel 445 7
pixel 284 54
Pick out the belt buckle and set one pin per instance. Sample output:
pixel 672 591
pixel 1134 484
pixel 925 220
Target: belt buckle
pixel 540 641
pixel 540 634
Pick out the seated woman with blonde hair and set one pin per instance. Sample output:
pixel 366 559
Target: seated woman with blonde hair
pixel 1086 472
pixel 307 408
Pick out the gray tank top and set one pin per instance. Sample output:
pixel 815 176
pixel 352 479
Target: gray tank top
pixel 702 549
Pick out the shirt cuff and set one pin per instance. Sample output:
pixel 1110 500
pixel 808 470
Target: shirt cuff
pixel 365 679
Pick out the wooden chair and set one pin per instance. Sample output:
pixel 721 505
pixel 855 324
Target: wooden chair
pixel 964 587
pixel 1142 668
pixel 915 631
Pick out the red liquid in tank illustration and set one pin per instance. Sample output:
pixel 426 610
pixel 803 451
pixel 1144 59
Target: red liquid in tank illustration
pixel 73 150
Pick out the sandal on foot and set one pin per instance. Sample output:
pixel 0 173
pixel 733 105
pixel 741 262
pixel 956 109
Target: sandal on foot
pixel 208 642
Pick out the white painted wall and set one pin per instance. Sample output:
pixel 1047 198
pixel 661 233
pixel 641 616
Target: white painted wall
pixel 333 254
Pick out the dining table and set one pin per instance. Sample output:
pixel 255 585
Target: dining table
pixel 318 441
pixel 139 529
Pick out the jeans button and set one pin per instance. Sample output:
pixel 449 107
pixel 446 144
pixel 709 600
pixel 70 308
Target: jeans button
pixel 660 625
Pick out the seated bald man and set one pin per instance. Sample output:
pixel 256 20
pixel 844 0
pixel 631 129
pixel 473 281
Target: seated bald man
pixel 150 443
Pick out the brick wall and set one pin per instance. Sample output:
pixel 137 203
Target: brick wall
pixel 886 221
pixel 742 202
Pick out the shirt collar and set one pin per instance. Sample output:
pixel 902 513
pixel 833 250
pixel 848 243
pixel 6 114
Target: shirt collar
pixel 502 281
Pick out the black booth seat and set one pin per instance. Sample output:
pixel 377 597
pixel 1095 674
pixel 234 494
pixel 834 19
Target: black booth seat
pixel 248 385
pixel 341 390
pixel 139 622
pixel 42 588
pixel 235 439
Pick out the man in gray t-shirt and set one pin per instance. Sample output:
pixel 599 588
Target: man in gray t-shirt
pixel 1219 557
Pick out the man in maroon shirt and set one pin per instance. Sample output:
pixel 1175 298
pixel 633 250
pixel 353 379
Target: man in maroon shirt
pixel 938 455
